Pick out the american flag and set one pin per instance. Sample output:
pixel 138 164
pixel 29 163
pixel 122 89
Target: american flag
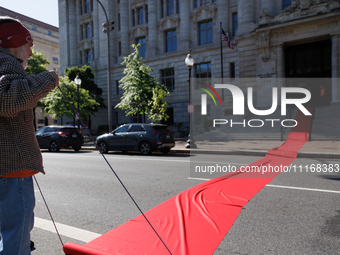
pixel 225 38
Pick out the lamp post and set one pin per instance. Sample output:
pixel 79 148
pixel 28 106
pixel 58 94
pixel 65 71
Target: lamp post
pixel 108 27
pixel 189 61
pixel 77 81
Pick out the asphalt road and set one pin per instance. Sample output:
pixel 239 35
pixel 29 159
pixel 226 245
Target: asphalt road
pixel 295 214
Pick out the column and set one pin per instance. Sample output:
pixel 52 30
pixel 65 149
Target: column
pixel 97 30
pixel 152 28
pixel 72 17
pixel 246 16
pixel 124 21
pixel 335 67
pixel 63 35
pixel 184 33
pixel 269 5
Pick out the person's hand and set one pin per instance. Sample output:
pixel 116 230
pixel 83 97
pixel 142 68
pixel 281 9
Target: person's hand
pixel 56 76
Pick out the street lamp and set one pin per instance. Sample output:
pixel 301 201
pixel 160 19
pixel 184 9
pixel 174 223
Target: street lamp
pixel 189 61
pixel 108 27
pixel 77 81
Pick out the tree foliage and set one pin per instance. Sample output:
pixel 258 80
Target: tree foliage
pixel 57 105
pixel 36 63
pixel 87 82
pixel 142 93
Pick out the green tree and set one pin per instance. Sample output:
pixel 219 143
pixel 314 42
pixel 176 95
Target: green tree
pixel 36 63
pixel 87 82
pixel 142 93
pixel 57 105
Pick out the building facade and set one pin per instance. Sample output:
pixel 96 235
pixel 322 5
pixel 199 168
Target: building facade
pixel 271 38
pixel 46 40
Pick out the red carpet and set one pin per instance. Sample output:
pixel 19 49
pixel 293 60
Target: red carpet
pixel 195 221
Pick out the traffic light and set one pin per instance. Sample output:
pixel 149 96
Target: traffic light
pixel 111 27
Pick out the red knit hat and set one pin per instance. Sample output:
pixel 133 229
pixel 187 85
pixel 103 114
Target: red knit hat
pixel 14 35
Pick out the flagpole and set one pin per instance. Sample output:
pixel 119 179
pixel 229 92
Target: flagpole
pixel 221 50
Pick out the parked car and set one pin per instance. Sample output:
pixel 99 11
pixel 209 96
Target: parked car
pixel 55 137
pixel 145 138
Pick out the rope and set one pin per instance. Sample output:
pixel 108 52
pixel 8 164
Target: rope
pixel 114 172
pixel 48 209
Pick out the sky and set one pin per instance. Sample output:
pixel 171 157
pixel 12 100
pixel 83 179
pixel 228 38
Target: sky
pixel 42 10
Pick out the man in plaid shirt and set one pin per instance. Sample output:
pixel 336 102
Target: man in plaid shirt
pixel 20 156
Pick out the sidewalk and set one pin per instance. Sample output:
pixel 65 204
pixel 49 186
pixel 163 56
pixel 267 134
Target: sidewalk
pixel 314 149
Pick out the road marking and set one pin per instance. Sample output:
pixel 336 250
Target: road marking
pixel 65 230
pixel 280 186
pixel 300 188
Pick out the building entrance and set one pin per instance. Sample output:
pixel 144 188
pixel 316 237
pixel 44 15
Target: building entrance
pixel 311 60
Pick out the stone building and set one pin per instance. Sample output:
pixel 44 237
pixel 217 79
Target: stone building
pixel 46 40
pixel 271 38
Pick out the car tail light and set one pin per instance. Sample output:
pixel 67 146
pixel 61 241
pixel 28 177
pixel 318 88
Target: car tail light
pixel 63 134
pixel 81 133
pixel 159 143
pixel 154 130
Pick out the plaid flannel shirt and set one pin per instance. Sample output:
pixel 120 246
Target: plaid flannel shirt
pixel 19 94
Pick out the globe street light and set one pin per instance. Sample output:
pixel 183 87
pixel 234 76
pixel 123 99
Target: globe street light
pixel 77 81
pixel 189 61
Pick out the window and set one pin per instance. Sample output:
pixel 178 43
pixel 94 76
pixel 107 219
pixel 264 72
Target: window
pixel 118 21
pixel 142 47
pixel 118 1
pixel 34 28
pixel 81 32
pixel 170 120
pixel 119 48
pixel 81 57
pixel 162 8
pixel 88 56
pixel 133 18
pixel 171 40
pixel 137 128
pixel 196 3
pixel 168 78
pixel 170 7
pixel 234 23
pixel 49 33
pixel 87 6
pixel 122 129
pixel 140 16
pixel 178 6
pixel 55 60
pixel 81 7
pixel 117 87
pixel 205 33
pixel 146 14
pixel 204 2
pixel 232 70
pixel 203 70
pixel 41 121
pixel 88 31
pixel 285 4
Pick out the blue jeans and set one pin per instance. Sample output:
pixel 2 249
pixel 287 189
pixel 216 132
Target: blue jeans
pixel 17 202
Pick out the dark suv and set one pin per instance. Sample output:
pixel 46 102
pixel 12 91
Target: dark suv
pixel 137 137
pixel 55 137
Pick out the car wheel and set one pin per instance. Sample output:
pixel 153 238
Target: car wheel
pixel 54 147
pixel 166 151
pixel 145 148
pixel 76 147
pixel 102 146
